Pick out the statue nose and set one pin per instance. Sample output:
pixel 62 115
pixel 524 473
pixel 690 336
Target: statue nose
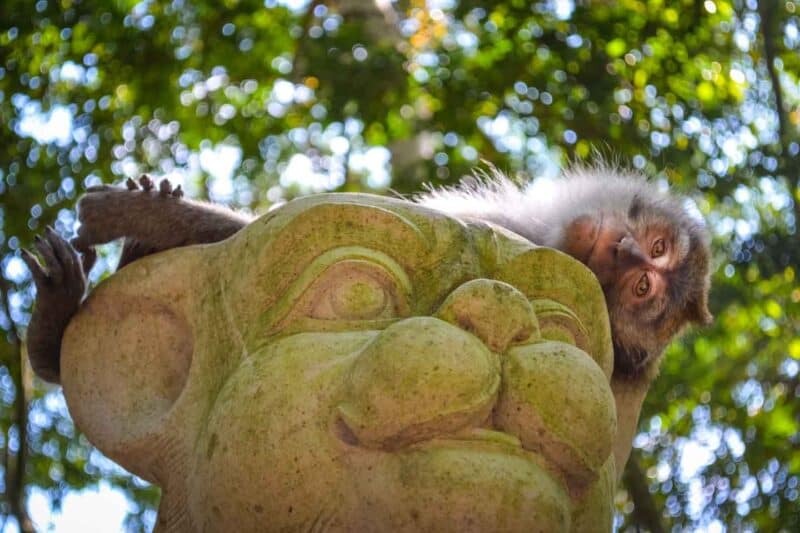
pixel 494 311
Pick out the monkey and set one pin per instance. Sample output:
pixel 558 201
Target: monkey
pixel 650 256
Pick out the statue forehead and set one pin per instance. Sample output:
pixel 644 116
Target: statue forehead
pixel 435 250
pixel 399 223
pixel 417 237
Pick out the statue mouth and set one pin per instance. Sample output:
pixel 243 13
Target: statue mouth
pixel 477 440
pixel 482 435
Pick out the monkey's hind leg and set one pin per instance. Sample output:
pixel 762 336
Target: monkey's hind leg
pixel 150 219
pixel 60 286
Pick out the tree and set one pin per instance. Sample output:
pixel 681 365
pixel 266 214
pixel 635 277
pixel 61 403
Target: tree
pixel 252 102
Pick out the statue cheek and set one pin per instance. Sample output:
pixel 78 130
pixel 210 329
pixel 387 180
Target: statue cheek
pixel 266 451
pixel 420 377
pixel 573 427
pixel 126 362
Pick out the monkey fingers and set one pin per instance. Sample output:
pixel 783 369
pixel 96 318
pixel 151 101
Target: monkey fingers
pixel 52 266
pixel 164 188
pixel 70 263
pixel 146 183
pixel 59 278
pixel 73 277
pixel 38 273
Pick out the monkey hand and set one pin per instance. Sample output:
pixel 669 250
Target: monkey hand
pixel 60 286
pixel 150 219
pixel 137 211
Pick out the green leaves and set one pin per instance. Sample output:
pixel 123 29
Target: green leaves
pixel 678 89
pixel 616 47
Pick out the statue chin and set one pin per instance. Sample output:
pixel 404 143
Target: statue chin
pixel 354 363
pixel 484 487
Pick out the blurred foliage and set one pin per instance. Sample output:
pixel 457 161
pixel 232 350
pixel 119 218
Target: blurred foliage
pixel 254 102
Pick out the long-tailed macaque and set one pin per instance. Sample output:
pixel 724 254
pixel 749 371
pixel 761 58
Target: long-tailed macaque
pixel 651 257
pixel 649 254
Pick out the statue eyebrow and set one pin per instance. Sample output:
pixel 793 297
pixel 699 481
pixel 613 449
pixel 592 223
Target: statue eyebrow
pixel 386 206
pixel 285 303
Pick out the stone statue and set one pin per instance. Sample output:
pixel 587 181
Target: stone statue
pixel 354 363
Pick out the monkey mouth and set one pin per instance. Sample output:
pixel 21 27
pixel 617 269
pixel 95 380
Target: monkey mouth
pixel 630 362
pixel 602 257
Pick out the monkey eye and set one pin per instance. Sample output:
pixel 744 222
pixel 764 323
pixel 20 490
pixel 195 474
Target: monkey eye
pixel 659 248
pixel 642 286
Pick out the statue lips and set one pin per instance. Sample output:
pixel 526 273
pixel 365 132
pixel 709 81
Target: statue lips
pixel 460 422
pixel 483 437
pixel 478 439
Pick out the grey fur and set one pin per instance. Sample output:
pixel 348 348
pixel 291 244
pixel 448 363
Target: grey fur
pixel 581 190
pixel 640 335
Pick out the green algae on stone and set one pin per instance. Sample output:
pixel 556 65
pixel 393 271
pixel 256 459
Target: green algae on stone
pixel 353 363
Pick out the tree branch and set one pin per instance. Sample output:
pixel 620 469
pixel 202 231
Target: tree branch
pixel 645 513
pixel 15 465
pixel 767 28
pixel 790 164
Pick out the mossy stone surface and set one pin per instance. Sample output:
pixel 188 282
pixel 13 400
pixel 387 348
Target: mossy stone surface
pixel 353 363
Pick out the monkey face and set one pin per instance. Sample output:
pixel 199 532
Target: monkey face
pixel 653 269
pixel 354 363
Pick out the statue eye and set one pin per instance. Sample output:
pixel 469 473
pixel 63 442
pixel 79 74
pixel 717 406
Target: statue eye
pixel 349 284
pixel 354 290
pixel 353 299
pixel 659 248
pixel 642 286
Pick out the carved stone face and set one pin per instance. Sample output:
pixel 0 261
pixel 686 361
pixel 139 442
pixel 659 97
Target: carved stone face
pixel 354 363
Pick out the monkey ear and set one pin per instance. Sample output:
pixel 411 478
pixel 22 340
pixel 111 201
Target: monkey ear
pixel 697 310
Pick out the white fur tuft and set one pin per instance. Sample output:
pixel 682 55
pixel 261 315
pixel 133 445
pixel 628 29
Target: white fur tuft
pixel 491 195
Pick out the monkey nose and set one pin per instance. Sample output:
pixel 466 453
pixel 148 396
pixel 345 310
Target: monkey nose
pixel 629 254
pixel 494 311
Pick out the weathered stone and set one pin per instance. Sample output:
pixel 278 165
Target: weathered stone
pixel 354 363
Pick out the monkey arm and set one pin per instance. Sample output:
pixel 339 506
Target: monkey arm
pixel 151 220
pixel 60 286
